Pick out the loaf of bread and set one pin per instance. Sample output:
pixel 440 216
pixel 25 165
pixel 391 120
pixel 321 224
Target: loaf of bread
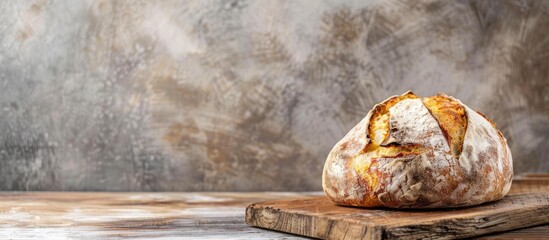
pixel 410 152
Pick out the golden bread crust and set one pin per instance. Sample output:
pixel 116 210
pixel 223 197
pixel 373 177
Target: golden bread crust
pixel 419 153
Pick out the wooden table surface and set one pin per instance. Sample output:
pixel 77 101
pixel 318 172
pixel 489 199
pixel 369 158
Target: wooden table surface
pixel 93 215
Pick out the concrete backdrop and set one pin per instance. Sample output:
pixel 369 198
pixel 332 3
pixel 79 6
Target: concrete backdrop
pixel 247 95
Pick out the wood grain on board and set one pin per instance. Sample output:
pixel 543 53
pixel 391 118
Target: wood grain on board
pixel 526 205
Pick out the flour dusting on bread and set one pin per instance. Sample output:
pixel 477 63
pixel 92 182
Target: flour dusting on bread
pixel 424 153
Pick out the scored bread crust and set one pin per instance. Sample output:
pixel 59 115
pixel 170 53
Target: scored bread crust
pixel 410 152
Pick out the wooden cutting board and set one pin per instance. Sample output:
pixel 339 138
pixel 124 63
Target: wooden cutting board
pixel 526 205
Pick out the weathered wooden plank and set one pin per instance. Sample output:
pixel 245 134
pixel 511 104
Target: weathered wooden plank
pixel 526 205
pixel 319 217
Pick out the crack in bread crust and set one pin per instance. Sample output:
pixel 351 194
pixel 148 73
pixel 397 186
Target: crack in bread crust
pixel 450 115
pixel 379 124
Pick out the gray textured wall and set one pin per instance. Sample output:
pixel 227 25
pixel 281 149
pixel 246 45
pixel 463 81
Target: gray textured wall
pixel 247 95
